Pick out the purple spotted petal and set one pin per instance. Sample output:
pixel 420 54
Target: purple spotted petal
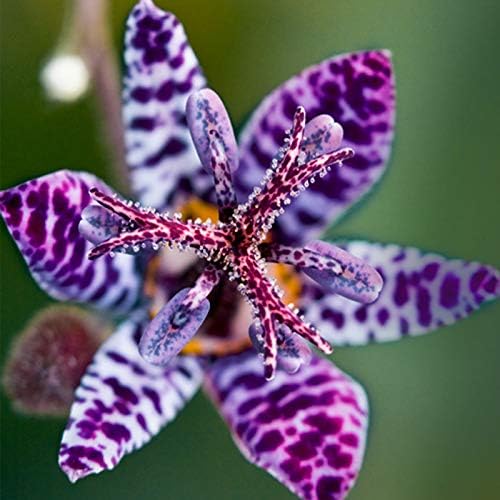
pixel 122 402
pixel 358 280
pixel 308 429
pixel 357 90
pixel 422 292
pixel 161 72
pixel 43 216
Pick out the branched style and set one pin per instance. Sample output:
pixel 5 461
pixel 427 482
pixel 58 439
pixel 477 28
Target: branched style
pixel 233 245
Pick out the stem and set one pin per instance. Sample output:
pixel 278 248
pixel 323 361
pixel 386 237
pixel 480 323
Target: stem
pixel 91 22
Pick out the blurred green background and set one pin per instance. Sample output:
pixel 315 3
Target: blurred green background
pixel 435 400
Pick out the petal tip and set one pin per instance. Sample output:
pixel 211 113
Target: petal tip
pixel 387 53
pixel 78 462
pixel 75 475
pixel 149 5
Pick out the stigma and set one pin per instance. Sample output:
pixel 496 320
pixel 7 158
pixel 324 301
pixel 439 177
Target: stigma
pixel 236 246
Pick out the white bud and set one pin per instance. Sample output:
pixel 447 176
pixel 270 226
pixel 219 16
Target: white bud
pixel 65 77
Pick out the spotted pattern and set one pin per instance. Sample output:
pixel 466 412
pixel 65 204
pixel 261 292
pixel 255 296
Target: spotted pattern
pixel 287 178
pixel 301 258
pixel 179 320
pixel 271 312
pixel 422 292
pixel 122 402
pixel 223 181
pixel 357 90
pixel 206 114
pixel 42 216
pixel 307 429
pixel 161 72
pixel 214 139
pixel 358 281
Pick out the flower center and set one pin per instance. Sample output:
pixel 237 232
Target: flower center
pixel 234 247
pixel 225 330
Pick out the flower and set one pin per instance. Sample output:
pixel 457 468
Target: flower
pixel 307 428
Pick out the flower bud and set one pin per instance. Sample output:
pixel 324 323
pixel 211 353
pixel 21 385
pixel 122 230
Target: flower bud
pixel 48 359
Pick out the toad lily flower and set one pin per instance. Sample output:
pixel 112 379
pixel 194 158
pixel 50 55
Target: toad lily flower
pixel 189 306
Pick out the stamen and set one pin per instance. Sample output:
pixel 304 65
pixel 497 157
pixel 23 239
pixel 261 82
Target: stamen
pixel 269 308
pixel 322 135
pixel 179 320
pixel 205 112
pixel 358 280
pixel 223 180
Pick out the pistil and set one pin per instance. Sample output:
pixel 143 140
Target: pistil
pixel 234 246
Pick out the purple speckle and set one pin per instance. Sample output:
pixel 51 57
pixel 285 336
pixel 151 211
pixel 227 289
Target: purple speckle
pixel 477 279
pixel 142 422
pixel 166 91
pixel 149 23
pixel 383 316
pixel 324 423
pixel 491 285
pixel 328 487
pixel 302 450
pixel 269 441
pixel 318 379
pixel 336 458
pixel 295 471
pixel 141 94
pixel 249 405
pixel 335 316
pixel 349 439
pixel 177 61
pixel 75 454
pixel 361 314
pixel 142 123
pixel 424 307
pixel 115 432
pixel 122 391
pixel 404 326
pixel 449 291
pixel 154 398
pixel 430 271
pixel 401 296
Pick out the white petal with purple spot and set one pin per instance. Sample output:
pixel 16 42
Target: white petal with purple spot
pixel 421 292
pixel 161 72
pixel 122 402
